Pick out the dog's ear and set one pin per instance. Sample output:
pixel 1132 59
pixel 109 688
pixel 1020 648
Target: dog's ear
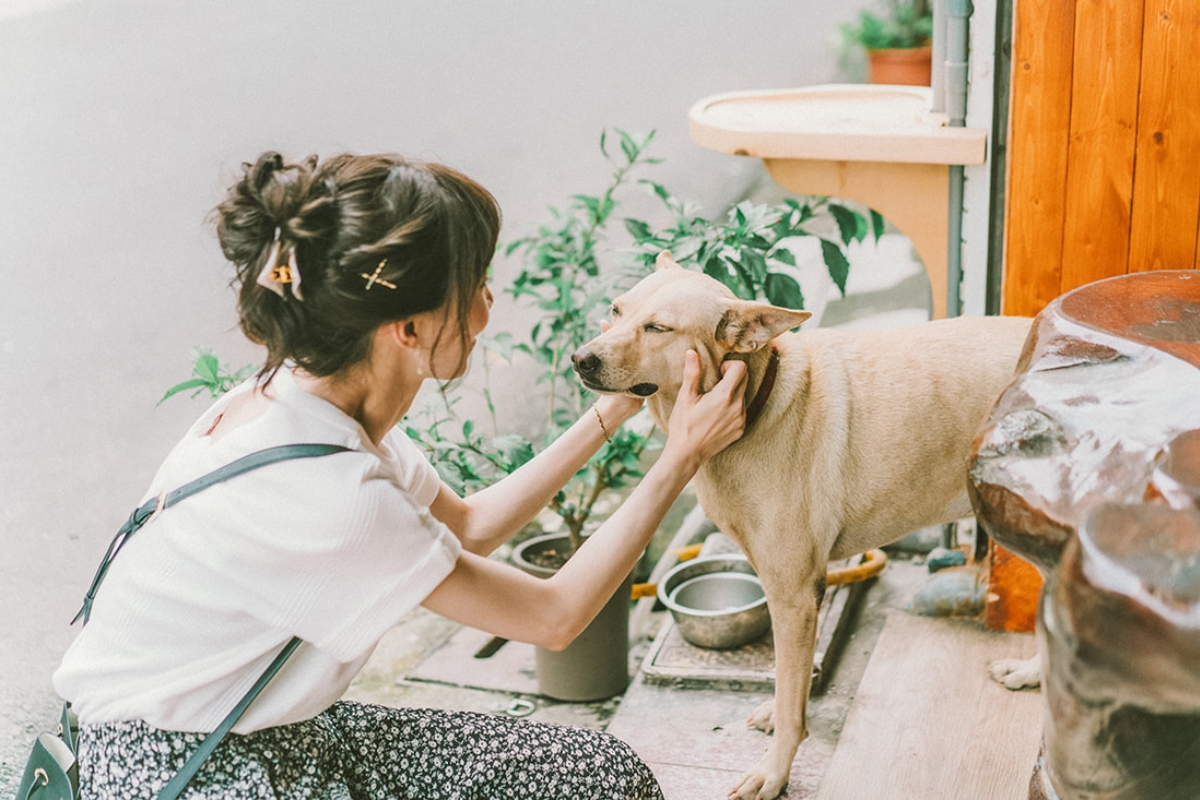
pixel 665 261
pixel 747 326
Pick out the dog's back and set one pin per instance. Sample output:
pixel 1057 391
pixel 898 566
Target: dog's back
pixel 868 433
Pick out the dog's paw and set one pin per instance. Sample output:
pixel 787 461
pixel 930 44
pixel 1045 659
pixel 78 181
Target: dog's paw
pixel 1017 673
pixel 763 717
pixel 757 785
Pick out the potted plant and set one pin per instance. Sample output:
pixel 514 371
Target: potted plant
pixel 569 271
pixel 896 40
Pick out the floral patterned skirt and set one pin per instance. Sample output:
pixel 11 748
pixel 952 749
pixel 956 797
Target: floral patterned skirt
pixel 355 751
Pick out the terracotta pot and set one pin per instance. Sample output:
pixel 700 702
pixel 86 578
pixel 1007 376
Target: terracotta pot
pixel 596 665
pixel 907 66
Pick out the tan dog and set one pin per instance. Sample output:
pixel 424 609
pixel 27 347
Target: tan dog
pixel 853 440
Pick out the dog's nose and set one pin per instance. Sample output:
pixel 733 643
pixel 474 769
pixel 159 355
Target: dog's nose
pixel 586 362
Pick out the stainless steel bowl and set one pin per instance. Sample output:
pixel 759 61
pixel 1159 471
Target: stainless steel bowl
pixel 716 601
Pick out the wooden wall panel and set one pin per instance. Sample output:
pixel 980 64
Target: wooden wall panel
pixel 1103 139
pixel 1166 189
pixel 1043 48
pixel 1104 157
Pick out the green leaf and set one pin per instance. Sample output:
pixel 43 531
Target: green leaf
pixel 592 204
pixel 835 261
pixel 755 264
pixel 628 146
pixel 847 222
pixel 782 290
pixel 501 344
pixel 658 189
pixel 717 268
pixel 877 224
pixel 194 383
pixel 516 450
pixel 742 284
pixel 785 256
pixel 639 230
pixel 207 367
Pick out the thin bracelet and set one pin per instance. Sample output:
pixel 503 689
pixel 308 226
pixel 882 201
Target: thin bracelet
pixel 603 429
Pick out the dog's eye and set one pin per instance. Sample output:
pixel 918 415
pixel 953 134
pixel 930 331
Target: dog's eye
pixel 616 312
pixel 654 327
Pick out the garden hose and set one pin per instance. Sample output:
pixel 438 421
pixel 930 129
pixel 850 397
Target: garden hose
pixel 873 562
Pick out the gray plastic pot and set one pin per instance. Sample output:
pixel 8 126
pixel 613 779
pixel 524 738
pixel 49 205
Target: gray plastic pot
pixel 596 665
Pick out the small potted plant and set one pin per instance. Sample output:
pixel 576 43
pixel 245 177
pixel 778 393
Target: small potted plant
pixel 896 40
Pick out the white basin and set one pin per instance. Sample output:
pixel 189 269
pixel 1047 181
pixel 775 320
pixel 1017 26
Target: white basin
pixel 835 122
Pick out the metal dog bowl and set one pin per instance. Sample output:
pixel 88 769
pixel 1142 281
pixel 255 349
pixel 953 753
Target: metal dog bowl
pixel 716 601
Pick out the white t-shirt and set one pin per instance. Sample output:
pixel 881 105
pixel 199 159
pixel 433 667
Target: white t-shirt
pixel 334 549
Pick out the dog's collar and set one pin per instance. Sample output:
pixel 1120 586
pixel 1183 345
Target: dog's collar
pixel 764 388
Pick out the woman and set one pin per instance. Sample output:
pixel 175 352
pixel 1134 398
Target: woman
pixel 363 276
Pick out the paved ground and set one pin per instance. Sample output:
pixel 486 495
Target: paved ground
pixel 695 739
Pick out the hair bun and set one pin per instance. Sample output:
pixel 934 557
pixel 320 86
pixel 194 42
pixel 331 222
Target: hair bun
pixel 270 194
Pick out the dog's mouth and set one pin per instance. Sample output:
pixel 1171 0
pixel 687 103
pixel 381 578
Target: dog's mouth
pixel 640 389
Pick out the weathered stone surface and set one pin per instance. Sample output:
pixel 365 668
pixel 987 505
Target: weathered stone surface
pixel 1089 467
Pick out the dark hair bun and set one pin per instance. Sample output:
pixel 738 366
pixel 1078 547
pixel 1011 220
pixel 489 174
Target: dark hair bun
pixel 428 231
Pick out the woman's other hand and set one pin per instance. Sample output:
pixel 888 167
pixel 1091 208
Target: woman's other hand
pixel 705 424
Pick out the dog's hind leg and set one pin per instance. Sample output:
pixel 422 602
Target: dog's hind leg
pixel 1017 673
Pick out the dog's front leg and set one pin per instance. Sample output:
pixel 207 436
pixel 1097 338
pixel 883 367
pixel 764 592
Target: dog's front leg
pixel 794 622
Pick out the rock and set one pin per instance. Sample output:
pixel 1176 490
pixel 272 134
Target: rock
pixel 950 594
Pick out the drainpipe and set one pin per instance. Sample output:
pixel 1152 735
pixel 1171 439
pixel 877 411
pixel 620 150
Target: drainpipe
pixel 938 80
pixel 957 14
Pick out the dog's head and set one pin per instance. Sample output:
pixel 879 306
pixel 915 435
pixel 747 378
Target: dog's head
pixel 641 351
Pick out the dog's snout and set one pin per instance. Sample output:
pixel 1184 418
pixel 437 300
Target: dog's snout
pixel 586 362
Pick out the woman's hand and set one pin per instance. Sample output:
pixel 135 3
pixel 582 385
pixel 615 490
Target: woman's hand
pixel 615 409
pixel 705 424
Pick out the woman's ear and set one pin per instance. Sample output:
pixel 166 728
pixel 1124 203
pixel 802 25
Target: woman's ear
pixel 403 332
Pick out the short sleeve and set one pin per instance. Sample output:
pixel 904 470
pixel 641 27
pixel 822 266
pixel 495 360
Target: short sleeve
pixel 415 473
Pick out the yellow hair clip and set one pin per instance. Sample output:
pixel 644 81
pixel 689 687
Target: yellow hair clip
pixel 375 279
pixel 274 275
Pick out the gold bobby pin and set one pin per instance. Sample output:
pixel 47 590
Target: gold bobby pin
pixel 374 279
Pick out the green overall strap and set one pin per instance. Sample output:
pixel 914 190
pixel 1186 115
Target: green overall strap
pixel 178 783
pixel 152 508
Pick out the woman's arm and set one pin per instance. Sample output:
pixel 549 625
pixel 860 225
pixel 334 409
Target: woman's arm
pixel 490 517
pixel 504 601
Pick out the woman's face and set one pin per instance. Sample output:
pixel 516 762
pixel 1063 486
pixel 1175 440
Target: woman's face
pixel 450 359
